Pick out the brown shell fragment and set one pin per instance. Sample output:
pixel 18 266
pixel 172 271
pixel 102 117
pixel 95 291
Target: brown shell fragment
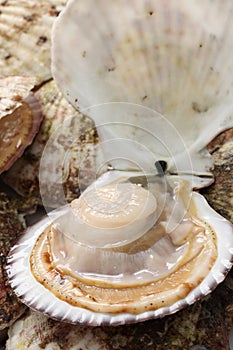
pixel 17 131
pixel 204 325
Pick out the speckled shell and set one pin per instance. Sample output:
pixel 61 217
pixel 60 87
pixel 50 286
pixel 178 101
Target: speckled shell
pixel 25 27
pixel 171 57
pixel 61 121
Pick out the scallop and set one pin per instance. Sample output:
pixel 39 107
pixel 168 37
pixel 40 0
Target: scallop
pixel 157 81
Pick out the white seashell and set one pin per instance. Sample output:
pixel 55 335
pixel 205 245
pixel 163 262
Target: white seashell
pixel 152 59
pixel 172 58
pixel 25 36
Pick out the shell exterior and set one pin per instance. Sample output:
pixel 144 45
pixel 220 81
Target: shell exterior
pixel 18 129
pixel 24 36
pixel 61 122
pixel 172 58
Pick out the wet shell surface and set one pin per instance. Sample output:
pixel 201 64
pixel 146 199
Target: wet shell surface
pixel 131 246
pixel 25 27
pixel 20 118
pixel 66 278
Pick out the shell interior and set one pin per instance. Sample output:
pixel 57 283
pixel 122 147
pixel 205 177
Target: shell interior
pixel 110 285
pixel 171 58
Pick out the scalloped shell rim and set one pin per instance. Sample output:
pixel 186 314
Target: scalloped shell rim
pixel 39 298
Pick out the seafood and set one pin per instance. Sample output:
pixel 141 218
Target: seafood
pixel 130 248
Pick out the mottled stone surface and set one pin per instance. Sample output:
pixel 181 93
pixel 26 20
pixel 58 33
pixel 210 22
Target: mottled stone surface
pixel 220 194
pixel 12 224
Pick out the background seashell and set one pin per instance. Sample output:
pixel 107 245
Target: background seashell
pixel 13 90
pixel 17 131
pixel 172 58
pixel 25 36
pixel 24 175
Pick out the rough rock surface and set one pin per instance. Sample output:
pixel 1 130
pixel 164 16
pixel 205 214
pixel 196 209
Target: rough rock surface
pixel 12 224
pixel 220 194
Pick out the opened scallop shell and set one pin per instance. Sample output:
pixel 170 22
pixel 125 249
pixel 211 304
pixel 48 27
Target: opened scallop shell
pixel 151 81
pixel 25 36
pixel 39 295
